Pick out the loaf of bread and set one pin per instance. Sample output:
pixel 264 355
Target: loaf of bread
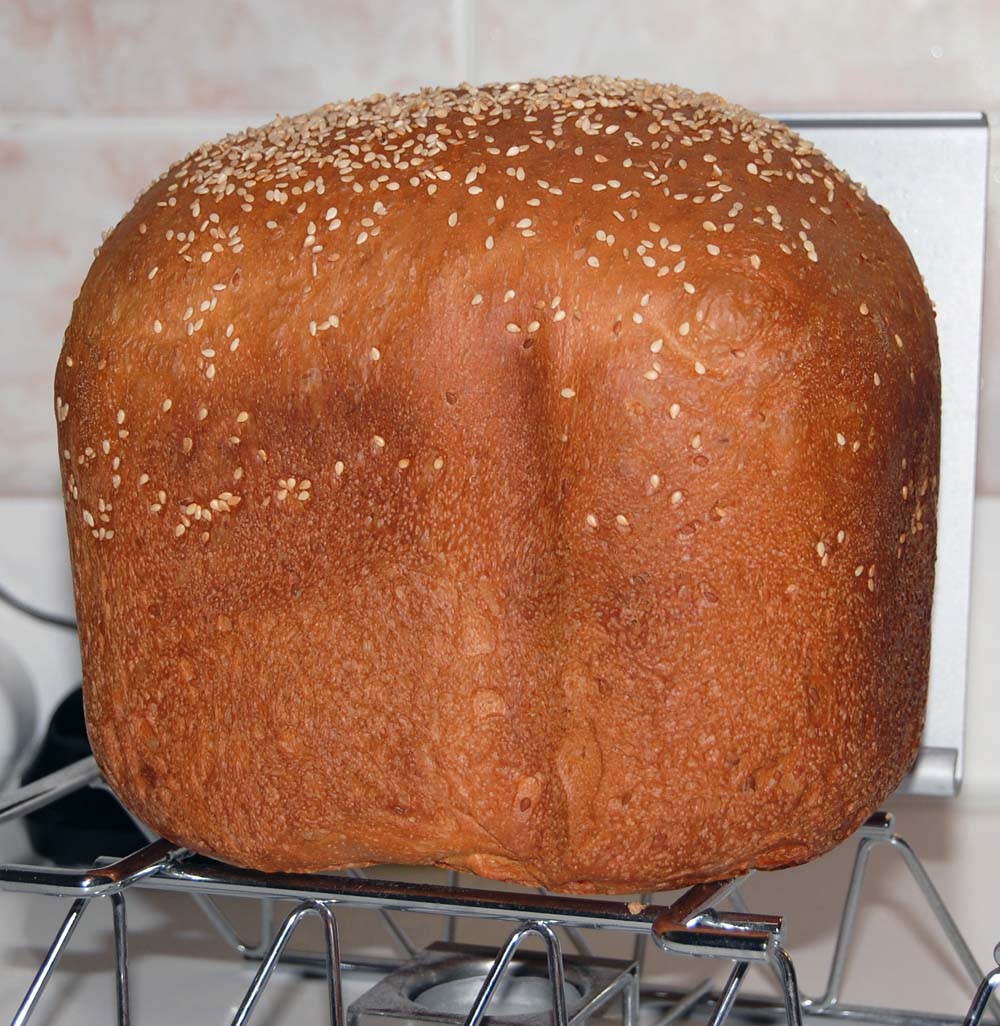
pixel 537 480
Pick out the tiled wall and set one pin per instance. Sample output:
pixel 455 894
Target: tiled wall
pixel 97 96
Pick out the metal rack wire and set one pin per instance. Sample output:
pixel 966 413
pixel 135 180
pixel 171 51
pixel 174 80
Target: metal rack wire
pixel 696 925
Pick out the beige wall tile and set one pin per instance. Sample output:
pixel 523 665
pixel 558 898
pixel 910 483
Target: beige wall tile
pixel 781 55
pixel 62 185
pixel 136 56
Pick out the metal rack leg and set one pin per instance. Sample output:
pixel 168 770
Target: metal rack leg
pixel 785 972
pixel 332 945
pixel 631 1000
pixel 553 953
pixel 985 993
pixel 941 913
pixel 451 922
pixel 121 958
pixel 51 960
pixel 880 831
pixel 848 918
pixel 728 995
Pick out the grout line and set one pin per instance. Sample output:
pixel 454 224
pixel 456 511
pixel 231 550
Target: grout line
pixel 462 21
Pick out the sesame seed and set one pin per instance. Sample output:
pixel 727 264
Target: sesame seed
pixel 684 329
pixel 820 549
pixel 338 467
pixel 403 463
pixel 654 482
pixel 592 521
pixel 378 443
pixel 179 530
pixel 489 241
pixel 755 261
pixel 374 354
pixel 242 417
pixel 452 219
pixel 713 249
pixel 567 393
pixel 593 261
pixel 656 345
pixel 864 309
pixel 621 520
pixel 676 498
pixel 841 440
pixel 438 462
pixel 477 299
pixel 699 367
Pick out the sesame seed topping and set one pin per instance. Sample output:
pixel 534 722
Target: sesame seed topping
pixel 592 521
pixel 699 367
pixel 567 393
pixel 676 498
pixel 438 462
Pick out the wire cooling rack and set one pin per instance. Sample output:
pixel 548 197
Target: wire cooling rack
pixel 709 921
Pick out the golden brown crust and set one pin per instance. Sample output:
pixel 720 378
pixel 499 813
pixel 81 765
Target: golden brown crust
pixel 537 480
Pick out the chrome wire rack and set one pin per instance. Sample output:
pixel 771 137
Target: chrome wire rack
pixel 709 921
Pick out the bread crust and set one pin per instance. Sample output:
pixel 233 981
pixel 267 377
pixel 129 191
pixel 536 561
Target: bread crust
pixel 536 480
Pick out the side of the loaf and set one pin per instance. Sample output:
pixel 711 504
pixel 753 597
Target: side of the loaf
pixel 539 481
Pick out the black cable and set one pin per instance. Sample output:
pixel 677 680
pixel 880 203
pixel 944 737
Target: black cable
pixel 37 614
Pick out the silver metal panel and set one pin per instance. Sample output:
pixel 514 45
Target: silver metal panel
pixel 930 171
